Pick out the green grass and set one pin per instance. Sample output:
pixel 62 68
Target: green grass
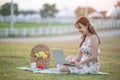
pixel 13 55
pixel 29 25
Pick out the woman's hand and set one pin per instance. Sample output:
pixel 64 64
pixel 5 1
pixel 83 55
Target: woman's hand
pixel 78 65
pixel 72 61
pixel 69 58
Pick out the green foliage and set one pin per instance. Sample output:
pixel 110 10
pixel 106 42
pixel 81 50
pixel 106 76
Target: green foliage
pixel 5 9
pixel 48 10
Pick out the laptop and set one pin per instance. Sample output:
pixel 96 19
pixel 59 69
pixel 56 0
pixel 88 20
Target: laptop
pixel 59 57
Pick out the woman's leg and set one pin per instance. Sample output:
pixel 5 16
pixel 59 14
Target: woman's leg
pixel 64 68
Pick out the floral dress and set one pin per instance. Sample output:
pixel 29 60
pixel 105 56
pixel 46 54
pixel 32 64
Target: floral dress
pixel 90 67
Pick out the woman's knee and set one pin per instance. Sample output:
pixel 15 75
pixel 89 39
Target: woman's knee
pixel 64 68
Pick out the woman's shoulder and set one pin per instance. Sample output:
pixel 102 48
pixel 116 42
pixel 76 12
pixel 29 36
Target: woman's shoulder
pixel 93 38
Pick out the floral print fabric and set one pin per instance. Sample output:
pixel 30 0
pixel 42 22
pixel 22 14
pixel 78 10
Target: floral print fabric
pixel 92 66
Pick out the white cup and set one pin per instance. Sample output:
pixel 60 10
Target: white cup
pixel 33 66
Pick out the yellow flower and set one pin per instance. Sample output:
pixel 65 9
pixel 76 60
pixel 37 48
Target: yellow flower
pixel 41 54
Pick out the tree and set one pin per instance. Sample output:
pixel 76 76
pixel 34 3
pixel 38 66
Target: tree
pixel 5 9
pixel 118 4
pixel 80 11
pixel 90 10
pixel 48 10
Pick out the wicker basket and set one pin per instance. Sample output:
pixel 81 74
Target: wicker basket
pixel 40 61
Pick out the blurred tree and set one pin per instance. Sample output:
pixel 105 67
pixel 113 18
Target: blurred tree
pixel 5 9
pixel 90 10
pixel 118 4
pixel 80 11
pixel 48 10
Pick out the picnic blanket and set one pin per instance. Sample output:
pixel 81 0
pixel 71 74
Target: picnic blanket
pixel 49 71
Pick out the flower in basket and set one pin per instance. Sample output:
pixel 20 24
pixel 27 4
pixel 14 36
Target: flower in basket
pixel 41 54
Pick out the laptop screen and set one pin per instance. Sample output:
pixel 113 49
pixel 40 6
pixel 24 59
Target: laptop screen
pixel 58 55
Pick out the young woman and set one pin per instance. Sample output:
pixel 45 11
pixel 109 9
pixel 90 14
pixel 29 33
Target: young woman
pixel 87 58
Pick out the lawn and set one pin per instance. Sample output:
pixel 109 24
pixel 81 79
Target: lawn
pixel 29 25
pixel 13 55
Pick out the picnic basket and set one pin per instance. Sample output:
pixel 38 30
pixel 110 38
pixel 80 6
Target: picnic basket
pixel 45 62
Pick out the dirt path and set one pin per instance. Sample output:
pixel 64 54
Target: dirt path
pixel 59 38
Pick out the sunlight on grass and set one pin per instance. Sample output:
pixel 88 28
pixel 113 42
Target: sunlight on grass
pixel 13 55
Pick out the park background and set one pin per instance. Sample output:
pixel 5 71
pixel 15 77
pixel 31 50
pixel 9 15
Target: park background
pixel 54 21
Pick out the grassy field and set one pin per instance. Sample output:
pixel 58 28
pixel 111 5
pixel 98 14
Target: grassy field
pixel 13 55
pixel 29 25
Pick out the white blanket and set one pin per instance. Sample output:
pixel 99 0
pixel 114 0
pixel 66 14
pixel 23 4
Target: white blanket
pixel 49 71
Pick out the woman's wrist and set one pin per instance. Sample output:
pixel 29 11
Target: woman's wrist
pixel 78 63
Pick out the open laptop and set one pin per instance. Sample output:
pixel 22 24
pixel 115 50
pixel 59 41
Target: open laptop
pixel 59 57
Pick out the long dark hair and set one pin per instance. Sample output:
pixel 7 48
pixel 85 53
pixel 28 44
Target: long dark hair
pixel 84 21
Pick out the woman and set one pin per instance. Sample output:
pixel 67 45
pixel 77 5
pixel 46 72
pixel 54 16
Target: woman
pixel 87 58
